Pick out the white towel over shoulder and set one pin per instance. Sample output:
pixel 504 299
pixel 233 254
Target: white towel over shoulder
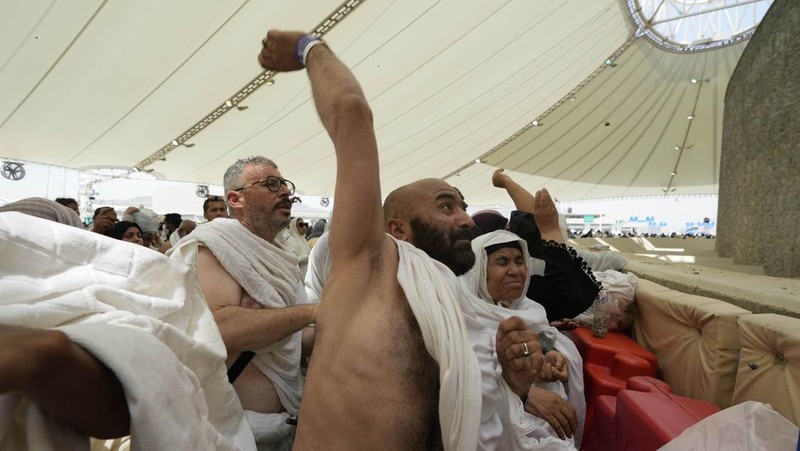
pixel 430 288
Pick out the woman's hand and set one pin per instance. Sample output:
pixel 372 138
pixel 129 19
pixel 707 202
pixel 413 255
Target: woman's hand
pixel 554 409
pixel 555 367
pixel 519 353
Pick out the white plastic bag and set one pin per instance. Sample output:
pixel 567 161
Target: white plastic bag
pixel 750 425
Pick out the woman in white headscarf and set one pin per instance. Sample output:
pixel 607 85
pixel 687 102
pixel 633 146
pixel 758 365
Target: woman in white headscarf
pixel 500 279
pixel 293 240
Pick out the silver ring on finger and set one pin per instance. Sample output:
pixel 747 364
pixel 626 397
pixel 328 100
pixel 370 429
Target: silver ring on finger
pixel 527 351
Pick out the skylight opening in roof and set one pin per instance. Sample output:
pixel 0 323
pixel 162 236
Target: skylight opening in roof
pixel 697 25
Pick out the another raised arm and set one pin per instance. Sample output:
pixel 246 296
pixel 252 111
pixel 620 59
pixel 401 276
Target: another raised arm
pixel 357 222
pixel 540 205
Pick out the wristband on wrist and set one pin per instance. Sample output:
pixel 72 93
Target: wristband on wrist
pixel 304 45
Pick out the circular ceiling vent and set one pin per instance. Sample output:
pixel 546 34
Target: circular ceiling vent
pixel 697 25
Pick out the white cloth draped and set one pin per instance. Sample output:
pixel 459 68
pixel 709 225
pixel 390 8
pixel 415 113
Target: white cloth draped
pixel 531 432
pixel 432 293
pixel 174 237
pixel 319 267
pixel 139 313
pixel 269 275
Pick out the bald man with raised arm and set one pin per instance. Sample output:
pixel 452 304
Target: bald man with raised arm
pixel 393 365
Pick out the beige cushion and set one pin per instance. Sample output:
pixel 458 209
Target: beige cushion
pixel 695 339
pixel 769 366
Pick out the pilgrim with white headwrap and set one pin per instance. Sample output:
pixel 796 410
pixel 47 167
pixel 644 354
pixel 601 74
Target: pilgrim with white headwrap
pixel 295 242
pixel 555 415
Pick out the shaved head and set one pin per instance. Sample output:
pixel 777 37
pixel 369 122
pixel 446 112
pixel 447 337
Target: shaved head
pixel 429 214
pixel 401 203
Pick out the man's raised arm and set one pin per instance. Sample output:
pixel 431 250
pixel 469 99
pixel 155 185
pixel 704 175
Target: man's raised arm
pixel 344 112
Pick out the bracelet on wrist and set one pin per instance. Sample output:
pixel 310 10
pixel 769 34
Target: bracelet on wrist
pixel 304 45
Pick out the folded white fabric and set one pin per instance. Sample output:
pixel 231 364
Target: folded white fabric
pixel 139 313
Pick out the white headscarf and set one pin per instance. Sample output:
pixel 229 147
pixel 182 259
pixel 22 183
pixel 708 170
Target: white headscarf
pixel 475 279
pixel 294 241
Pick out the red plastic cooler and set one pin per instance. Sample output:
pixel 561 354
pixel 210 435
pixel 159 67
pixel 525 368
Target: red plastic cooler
pixel 644 416
pixel 608 363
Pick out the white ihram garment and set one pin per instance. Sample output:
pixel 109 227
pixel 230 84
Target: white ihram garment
pixel 136 311
pixel 270 275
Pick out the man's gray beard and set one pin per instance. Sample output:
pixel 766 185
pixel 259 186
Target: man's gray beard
pixel 264 225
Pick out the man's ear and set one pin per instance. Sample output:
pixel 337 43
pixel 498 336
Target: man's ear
pixel 398 229
pixel 234 199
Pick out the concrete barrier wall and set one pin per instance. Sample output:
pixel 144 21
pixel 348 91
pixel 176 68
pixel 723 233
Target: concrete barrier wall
pixel 760 162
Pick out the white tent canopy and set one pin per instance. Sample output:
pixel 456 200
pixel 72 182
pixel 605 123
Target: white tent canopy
pixel 454 87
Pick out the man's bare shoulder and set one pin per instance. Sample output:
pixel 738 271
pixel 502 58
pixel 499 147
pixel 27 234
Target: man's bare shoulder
pixel 219 288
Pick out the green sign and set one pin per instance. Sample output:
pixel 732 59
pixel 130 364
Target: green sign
pixel 588 219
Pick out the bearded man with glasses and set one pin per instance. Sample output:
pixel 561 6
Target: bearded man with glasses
pixel 255 291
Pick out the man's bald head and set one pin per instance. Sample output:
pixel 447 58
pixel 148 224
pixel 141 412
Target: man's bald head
pixel 429 214
pixel 403 202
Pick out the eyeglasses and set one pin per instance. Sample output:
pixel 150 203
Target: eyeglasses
pixel 272 183
pixel 302 224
